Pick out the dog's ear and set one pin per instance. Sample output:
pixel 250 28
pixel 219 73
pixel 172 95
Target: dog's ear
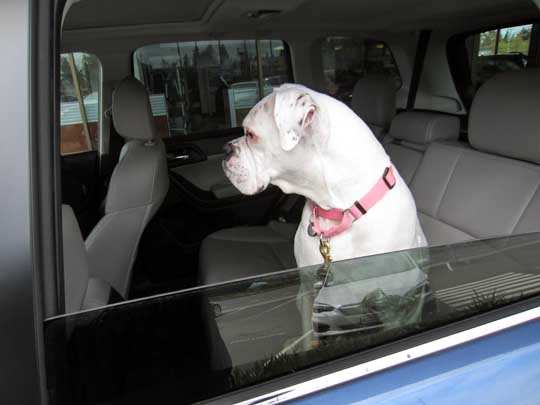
pixel 294 113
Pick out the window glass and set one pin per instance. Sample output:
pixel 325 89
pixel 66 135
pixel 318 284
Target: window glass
pixel 193 345
pixel 345 60
pixel 501 50
pixel 209 85
pixel 80 98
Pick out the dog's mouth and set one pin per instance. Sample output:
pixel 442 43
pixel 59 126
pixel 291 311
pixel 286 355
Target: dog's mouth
pixel 247 183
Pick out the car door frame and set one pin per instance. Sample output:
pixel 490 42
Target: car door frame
pixel 29 251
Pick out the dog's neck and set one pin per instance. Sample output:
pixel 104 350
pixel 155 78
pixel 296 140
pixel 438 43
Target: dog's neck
pixel 341 159
pixel 341 172
pixel 349 172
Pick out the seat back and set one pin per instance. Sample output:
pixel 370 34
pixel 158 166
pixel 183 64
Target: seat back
pixel 137 188
pixel 374 100
pixel 76 271
pixel 410 134
pixel 494 189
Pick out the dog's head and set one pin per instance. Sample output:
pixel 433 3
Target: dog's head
pixel 279 133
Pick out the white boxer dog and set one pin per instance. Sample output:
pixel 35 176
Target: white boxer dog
pixel 311 144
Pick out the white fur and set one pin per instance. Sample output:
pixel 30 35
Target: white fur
pixel 311 144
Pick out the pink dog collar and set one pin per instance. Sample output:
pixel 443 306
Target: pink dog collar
pixel 356 211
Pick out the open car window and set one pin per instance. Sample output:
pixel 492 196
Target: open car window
pixel 205 342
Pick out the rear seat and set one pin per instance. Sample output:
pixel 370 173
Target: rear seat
pixel 410 134
pixel 246 251
pixel 463 193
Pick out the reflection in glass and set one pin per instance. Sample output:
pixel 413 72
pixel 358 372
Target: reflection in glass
pixel 497 51
pixel 197 344
pixel 80 86
pixel 346 60
pixel 208 85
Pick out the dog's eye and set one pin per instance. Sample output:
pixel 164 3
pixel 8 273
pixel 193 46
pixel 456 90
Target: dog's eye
pixel 250 135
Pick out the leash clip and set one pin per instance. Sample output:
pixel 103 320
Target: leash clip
pixel 324 248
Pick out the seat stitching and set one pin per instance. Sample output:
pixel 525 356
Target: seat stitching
pixel 450 226
pixel 526 207
pixel 431 125
pixel 493 157
pixel 448 183
pixel 120 163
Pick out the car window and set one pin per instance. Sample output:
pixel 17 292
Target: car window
pixel 197 344
pixel 501 50
pixel 345 60
pixel 80 102
pixel 203 86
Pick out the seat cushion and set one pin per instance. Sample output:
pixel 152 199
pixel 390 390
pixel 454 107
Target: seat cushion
pixel 411 133
pixel 247 251
pixel 405 159
pixel 97 294
pixel 463 194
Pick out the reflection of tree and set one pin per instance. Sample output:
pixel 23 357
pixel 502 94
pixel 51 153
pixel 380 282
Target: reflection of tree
pixel 487 42
pixel 510 40
pixel 88 71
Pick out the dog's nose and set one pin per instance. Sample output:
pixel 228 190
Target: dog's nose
pixel 228 148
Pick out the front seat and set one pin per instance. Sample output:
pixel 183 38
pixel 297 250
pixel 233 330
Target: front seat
pixel 138 186
pixel 82 291
pixel 374 100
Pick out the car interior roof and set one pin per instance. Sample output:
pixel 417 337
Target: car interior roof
pixel 136 22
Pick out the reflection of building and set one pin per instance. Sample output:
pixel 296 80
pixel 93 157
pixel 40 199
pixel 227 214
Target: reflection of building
pixel 195 77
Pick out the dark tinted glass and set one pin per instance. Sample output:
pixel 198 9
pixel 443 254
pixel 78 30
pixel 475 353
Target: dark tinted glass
pixel 346 60
pixel 206 86
pixel 501 50
pixel 198 344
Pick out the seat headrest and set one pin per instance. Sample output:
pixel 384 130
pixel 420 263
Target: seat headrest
pixel 505 115
pixel 374 100
pixel 422 128
pixel 132 113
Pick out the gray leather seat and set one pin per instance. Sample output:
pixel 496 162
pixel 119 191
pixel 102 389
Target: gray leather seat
pixel 246 251
pixel 137 188
pixel 374 100
pixel 81 290
pixel 492 190
pixel 410 134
